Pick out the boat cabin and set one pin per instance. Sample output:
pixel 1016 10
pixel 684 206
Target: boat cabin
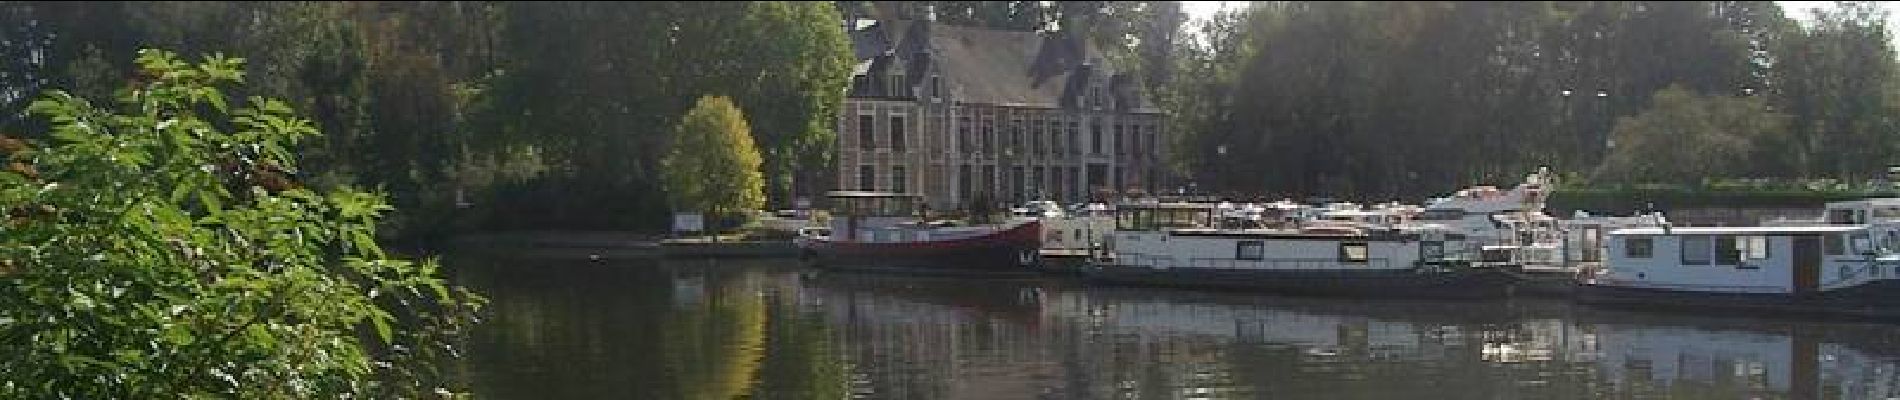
pixel 1164 216
pixel 1862 212
pixel 856 214
pixel 1185 235
pixel 1790 260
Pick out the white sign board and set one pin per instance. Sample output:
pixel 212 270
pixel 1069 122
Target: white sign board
pixel 688 222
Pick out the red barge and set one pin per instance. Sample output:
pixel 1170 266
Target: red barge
pixel 881 231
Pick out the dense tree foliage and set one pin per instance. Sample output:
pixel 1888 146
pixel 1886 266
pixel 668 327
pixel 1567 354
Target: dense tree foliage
pixel 556 115
pixel 159 248
pixel 713 167
pixel 482 114
pixel 1382 100
pixel 1684 136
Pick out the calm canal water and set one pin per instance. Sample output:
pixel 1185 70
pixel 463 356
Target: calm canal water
pixel 706 329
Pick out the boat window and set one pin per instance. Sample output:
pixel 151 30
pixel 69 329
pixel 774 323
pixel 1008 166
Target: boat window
pixel 1695 250
pixel 1353 252
pixel 1886 213
pixel 1431 250
pixel 1833 245
pixel 1125 220
pixel 1182 219
pixel 1250 250
pixel 1441 215
pixel 1754 247
pixel 1840 216
pixel 1639 247
pixel 1728 251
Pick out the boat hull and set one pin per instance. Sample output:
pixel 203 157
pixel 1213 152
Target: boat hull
pixel 1457 284
pixel 1012 251
pixel 1876 300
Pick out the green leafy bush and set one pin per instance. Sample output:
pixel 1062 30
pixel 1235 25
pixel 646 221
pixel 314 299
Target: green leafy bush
pixel 163 249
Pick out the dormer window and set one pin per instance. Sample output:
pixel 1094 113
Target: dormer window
pixel 936 86
pixel 897 85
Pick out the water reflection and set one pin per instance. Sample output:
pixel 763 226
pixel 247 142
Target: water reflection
pixel 705 329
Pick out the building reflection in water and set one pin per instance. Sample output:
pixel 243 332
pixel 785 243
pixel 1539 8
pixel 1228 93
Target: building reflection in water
pixel 691 329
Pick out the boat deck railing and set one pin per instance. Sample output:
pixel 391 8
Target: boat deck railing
pixel 1851 275
pixel 1142 260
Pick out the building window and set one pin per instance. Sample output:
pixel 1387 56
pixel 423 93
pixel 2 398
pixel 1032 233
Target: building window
pixel 1035 137
pixel 867 132
pixel 900 182
pixel 964 183
pixel 988 179
pixel 1055 138
pixel 1121 142
pixel 1072 183
pixel 965 142
pixel 1639 247
pixel 1056 183
pixel 1353 253
pixel 1695 250
pixel 1833 245
pixel 1016 144
pixel 989 139
pixel 1253 250
pixel 1015 188
pixel 897 133
pixel 1095 138
pixel 867 177
pixel 1075 144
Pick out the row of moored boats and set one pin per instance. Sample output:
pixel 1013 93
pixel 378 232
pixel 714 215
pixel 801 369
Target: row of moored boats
pixel 1478 243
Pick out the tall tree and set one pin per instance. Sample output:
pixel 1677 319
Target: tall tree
pixel 1684 138
pixel 713 165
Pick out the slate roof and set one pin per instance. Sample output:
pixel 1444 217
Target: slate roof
pixel 979 65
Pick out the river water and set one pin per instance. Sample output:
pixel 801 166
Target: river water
pixel 715 329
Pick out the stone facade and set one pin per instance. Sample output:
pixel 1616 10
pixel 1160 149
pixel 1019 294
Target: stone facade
pixel 957 114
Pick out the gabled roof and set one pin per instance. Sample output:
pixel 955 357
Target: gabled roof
pixel 991 66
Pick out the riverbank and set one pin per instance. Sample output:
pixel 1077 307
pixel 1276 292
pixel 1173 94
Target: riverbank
pixel 619 244
pixel 561 244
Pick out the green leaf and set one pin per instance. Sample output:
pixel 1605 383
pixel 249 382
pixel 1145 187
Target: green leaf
pixel 380 321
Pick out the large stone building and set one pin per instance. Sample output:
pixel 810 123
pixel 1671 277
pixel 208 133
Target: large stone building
pixel 957 114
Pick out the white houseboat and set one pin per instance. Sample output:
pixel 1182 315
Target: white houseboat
pixel 1178 244
pixel 1844 269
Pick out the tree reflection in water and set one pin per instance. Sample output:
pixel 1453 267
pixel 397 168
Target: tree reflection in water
pixel 768 329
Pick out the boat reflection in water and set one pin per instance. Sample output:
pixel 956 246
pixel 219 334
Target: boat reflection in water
pixel 950 338
pixel 764 329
